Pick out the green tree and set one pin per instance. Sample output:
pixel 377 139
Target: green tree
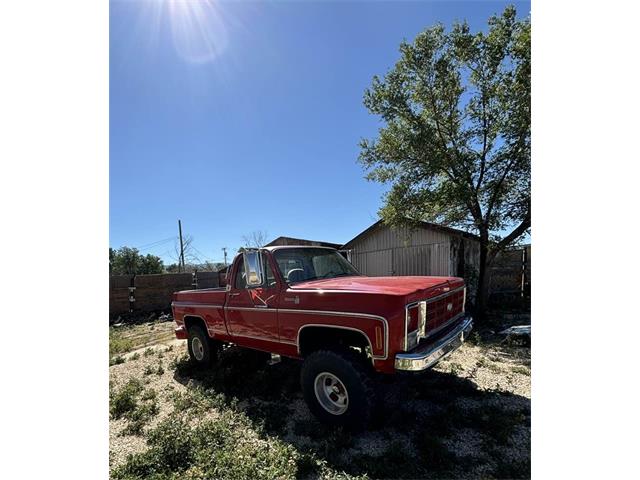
pixel 149 264
pixel 129 261
pixel 456 142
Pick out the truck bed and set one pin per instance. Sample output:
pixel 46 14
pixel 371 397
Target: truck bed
pixel 206 296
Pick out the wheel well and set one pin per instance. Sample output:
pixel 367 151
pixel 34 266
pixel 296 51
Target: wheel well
pixel 317 338
pixel 190 321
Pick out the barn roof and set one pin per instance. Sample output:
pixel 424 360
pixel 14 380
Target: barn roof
pixel 291 241
pixel 426 225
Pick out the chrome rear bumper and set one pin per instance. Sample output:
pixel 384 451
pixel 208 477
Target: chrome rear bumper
pixel 425 356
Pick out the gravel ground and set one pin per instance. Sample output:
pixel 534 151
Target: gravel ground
pixel 137 365
pixel 467 418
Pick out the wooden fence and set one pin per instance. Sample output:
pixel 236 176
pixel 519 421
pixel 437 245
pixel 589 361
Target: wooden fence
pixel 510 276
pixel 144 293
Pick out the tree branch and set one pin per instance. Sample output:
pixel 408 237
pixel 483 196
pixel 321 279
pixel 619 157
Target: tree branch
pixel 497 188
pixel 517 232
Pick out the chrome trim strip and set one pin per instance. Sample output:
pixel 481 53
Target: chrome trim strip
pixel 257 308
pixel 194 290
pixel 406 326
pixel 194 305
pixel 419 332
pixel 464 299
pixel 437 297
pixel 373 357
pixel 443 295
pixel 322 290
pixel 350 314
pixel 426 356
pixel 418 335
pixel 445 325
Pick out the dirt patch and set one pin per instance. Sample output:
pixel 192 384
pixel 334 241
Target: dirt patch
pixel 467 418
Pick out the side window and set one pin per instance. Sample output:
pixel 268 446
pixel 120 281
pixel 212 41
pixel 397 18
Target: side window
pixel 269 276
pixel 241 278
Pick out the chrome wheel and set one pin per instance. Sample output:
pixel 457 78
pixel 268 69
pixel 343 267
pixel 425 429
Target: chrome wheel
pixel 331 393
pixel 198 348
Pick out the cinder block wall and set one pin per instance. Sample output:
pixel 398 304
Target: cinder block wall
pixel 153 292
pixel 119 294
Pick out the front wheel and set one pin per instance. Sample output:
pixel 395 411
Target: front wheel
pixel 202 349
pixel 338 388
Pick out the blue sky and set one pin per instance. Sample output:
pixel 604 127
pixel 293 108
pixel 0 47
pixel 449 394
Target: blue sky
pixel 243 116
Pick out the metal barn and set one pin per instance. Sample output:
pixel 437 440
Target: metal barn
pixel 429 249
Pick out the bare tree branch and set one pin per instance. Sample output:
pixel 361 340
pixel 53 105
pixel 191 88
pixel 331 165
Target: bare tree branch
pixel 256 239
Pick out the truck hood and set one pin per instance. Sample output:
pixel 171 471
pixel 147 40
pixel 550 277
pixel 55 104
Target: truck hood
pixel 382 285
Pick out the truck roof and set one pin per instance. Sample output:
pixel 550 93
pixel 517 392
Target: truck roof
pixel 280 247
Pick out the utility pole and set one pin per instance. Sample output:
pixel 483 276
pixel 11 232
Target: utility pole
pixel 224 249
pixel 181 244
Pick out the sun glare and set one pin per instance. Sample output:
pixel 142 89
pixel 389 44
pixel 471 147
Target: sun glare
pixel 196 26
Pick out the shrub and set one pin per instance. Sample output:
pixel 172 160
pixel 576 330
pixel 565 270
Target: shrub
pixel 212 449
pixel 118 343
pixel 149 394
pixel 125 403
pixel 117 360
pixel 198 401
pixel 139 416
pixel 125 400
pixel 521 370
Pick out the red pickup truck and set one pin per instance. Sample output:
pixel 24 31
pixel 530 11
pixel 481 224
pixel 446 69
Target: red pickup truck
pixel 310 303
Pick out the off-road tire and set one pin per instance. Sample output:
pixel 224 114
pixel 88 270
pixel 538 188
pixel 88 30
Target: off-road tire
pixel 355 376
pixel 203 351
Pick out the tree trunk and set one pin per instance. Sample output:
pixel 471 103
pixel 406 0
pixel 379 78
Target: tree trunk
pixel 482 293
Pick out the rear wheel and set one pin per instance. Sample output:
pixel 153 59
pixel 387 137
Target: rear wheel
pixel 202 349
pixel 338 388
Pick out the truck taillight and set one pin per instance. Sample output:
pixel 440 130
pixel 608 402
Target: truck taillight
pixel 415 324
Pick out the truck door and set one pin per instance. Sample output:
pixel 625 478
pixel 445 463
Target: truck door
pixel 251 311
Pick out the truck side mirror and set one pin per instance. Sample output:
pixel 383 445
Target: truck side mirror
pixel 253 267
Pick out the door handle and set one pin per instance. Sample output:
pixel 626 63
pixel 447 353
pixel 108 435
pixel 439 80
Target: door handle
pixel 234 294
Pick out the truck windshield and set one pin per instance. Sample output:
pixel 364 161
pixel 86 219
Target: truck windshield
pixel 302 264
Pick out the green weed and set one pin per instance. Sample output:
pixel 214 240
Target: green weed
pixel 125 400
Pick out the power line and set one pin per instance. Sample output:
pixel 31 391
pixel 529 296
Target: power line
pixel 198 251
pixel 155 244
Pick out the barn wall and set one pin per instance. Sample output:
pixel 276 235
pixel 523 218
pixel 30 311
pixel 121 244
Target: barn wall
pixel 402 251
pixel 471 267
